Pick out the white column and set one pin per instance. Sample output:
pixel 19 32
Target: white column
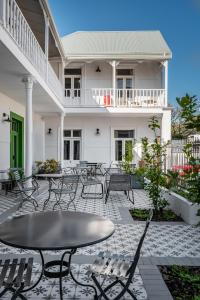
pixel 62 117
pixel 166 82
pixel 28 81
pixel 114 64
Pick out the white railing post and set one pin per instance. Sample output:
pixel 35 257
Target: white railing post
pixel 3 12
pixel 46 43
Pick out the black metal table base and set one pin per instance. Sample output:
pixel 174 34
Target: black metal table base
pixel 56 263
pixel 19 291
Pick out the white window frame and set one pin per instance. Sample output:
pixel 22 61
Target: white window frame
pixel 113 139
pixel 72 139
pixel 126 76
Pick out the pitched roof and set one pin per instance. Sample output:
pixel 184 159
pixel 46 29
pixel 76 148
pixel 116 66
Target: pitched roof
pixel 125 44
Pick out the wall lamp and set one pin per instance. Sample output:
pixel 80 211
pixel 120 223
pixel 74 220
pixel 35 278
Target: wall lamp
pixel 97 131
pixel 49 132
pixel 98 70
pixel 6 118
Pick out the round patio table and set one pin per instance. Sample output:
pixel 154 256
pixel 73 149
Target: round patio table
pixel 56 230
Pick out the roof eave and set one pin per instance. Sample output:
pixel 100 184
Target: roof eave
pixel 152 56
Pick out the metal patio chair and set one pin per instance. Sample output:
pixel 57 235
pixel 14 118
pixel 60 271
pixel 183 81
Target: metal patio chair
pixel 16 173
pixel 26 187
pixel 68 185
pixel 90 181
pixel 15 276
pixel 109 171
pixel 121 183
pixel 119 268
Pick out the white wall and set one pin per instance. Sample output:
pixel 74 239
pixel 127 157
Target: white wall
pixel 52 141
pixel 6 106
pixel 96 148
pixel 166 125
pixel 148 75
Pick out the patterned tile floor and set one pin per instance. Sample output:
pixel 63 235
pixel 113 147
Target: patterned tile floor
pixel 163 240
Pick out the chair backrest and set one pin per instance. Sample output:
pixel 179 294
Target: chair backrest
pixel 16 175
pixel 18 179
pixel 120 182
pixel 70 181
pixel 133 266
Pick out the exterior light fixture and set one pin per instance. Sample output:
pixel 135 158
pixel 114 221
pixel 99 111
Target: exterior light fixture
pixel 6 118
pixel 49 132
pixel 97 131
pixel 98 70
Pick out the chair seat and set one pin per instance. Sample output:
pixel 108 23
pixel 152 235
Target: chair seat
pixel 111 265
pixel 92 181
pixel 63 191
pixel 119 186
pixel 28 189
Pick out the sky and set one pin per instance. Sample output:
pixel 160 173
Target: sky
pixel 178 21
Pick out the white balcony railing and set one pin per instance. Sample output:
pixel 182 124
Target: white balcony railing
pixel 16 25
pixel 115 98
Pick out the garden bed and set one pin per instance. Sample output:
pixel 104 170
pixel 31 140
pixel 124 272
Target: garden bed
pixel 167 215
pixel 183 207
pixel 183 282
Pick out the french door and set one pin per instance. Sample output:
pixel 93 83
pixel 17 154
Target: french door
pixel 72 145
pixel 16 141
pixel 73 86
pixel 124 140
pixel 124 88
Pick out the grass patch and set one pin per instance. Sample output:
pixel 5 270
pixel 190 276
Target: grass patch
pixel 165 215
pixel 183 282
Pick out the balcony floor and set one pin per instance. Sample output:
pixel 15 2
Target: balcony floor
pixel 172 242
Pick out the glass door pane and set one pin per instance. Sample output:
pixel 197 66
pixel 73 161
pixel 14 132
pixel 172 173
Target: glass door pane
pixel 77 86
pixel 129 150
pixel 118 150
pixel 120 83
pixel 129 85
pixel 67 150
pixel 68 86
pixel 120 87
pixel 76 150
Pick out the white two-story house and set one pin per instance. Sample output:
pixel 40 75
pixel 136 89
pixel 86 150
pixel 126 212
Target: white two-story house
pixel 114 82
pixel 85 96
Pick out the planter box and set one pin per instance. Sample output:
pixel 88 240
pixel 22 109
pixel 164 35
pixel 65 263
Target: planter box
pixel 183 207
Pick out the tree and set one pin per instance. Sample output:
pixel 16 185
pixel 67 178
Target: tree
pixel 190 113
pixel 154 155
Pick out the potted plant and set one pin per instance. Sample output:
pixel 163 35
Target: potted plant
pixel 137 174
pixel 50 166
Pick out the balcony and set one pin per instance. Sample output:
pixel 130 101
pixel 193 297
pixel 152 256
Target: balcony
pixel 15 24
pixel 120 98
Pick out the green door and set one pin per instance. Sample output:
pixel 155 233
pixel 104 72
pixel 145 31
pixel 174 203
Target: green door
pixel 16 141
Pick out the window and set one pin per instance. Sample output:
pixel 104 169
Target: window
pixel 72 72
pixel 67 133
pixel 124 72
pixel 72 144
pixel 123 143
pixel 124 134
